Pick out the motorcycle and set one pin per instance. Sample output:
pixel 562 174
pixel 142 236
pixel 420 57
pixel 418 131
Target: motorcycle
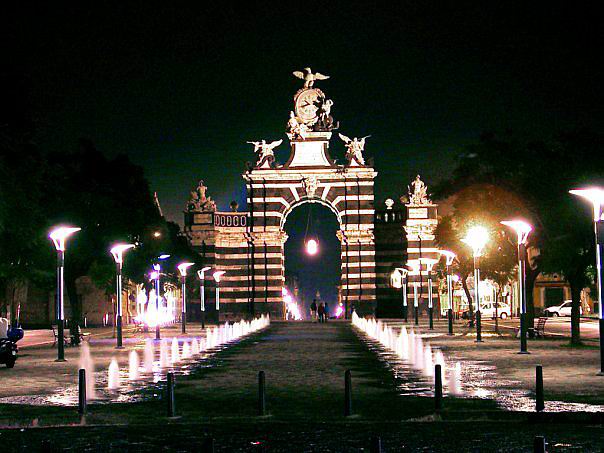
pixel 8 352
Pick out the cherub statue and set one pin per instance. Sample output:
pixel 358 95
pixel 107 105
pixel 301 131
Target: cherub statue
pixel 355 149
pixel 295 127
pixel 419 194
pixel 265 152
pixel 325 121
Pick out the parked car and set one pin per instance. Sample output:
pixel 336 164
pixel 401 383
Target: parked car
pixel 562 309
pixel 487 310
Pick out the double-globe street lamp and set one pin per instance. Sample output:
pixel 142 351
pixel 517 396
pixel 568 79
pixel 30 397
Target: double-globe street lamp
pixel 477 237
pixel 522 230
pixel 182 268
pixel 156 275
pixel 59 236
pixel 398 279
pixel 415 269
pixel 118 251
pixel 430 262
pixel 450 257
pixel 202 294
pixel 596 196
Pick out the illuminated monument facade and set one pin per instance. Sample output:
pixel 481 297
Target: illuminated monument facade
pixel 249 246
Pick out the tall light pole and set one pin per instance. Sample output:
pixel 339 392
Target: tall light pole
pixel 217 275
pixel 430 262
pixel 596 196
pixel 182 268
pixel 156 275
pixel 415 268
pixel 202 294
pixel 450 257
pixel 59 236
pixel 477 237
pixel 118 255
pixel 398 279
pixel 522 230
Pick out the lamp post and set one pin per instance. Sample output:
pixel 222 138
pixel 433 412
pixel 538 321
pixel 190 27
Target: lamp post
pixel 596 196
pixel 477 237
pixel 202 294
pixel 217 275
pixel 182 268
pixel 156 274
pixel 399 280
pixel 449 256
pixel 59 236
pixel 415 268
pixel 430 262
pixel 522 230
pixel 118 255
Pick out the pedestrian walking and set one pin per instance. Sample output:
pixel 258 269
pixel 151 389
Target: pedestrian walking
pixel 313 310
pixel 326 312
pixel 321 311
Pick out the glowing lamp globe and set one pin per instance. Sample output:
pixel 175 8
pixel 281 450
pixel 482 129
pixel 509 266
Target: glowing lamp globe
pixel 312 247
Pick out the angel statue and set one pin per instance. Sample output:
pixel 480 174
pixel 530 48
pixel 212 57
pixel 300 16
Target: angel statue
pixel 295 127
pixel 355 149
pixel 419 195
pixel 308 77
pixel 265 152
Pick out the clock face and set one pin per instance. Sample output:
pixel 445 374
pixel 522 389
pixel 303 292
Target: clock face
pixel 306 105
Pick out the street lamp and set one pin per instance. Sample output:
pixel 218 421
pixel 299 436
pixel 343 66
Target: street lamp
pixel 449 256
pixel 155 275
pixel 59 236
pixel 430 262
pixel 399 280
pixel 477 237
pixel 182 268
pixel 523 230
pixel 415 268
pixel 118 255
pixel 596 196
pixel 217 275
pixel 202 294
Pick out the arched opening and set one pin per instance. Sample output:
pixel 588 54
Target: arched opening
pixel 307 275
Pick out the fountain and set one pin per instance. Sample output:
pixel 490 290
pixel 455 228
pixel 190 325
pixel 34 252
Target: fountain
pixel 87 364
pixel 194 347
pixel 163 354
pixel 439 359
pixel 175 357
pixel 149 355
pixel 419 353
pixel 133 364
pixel 186 350
pixel 113 375
pixel 455 380
pixel 428 362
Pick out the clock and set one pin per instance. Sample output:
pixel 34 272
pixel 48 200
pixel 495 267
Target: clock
pixel 306 104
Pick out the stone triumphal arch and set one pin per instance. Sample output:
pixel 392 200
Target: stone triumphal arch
pixel 249 246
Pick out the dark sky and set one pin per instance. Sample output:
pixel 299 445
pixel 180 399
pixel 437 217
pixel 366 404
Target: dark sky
pixel 180 90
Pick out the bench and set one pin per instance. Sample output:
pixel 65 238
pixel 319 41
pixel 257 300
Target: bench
pixel 68 339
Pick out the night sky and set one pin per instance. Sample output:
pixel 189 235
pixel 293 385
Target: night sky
pixel 180 90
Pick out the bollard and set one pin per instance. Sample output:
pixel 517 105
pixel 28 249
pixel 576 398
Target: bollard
pixel 347 394
pixel 170 391
pixel 539 444
pixel 376 445
pixel 261 394
pixel 540 404
pixel 82 391
pixel 208 445
pixel 438 388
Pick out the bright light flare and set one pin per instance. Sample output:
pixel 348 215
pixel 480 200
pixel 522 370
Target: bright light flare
pixel 477 237
pixel 292 309
pixel 595 195
pixel 521 228
pixel 118 251
pixel 60 234
pixel 312 247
